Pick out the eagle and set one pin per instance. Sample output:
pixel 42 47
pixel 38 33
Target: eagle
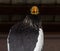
pixel 26 36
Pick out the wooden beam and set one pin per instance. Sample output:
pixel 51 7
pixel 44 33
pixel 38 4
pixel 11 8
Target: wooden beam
pixel 45 9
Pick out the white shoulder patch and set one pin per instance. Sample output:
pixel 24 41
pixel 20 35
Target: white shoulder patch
pixel 8 47
pixel 40 42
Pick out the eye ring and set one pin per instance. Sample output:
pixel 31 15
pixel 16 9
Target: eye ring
pixel 34 10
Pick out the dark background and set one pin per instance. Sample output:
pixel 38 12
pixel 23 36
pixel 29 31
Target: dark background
pixel 13 11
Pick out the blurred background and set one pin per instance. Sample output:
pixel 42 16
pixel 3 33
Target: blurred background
pixel 13 11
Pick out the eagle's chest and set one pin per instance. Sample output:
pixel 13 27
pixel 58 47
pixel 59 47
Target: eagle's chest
pixel 25 41
pixel 29 40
